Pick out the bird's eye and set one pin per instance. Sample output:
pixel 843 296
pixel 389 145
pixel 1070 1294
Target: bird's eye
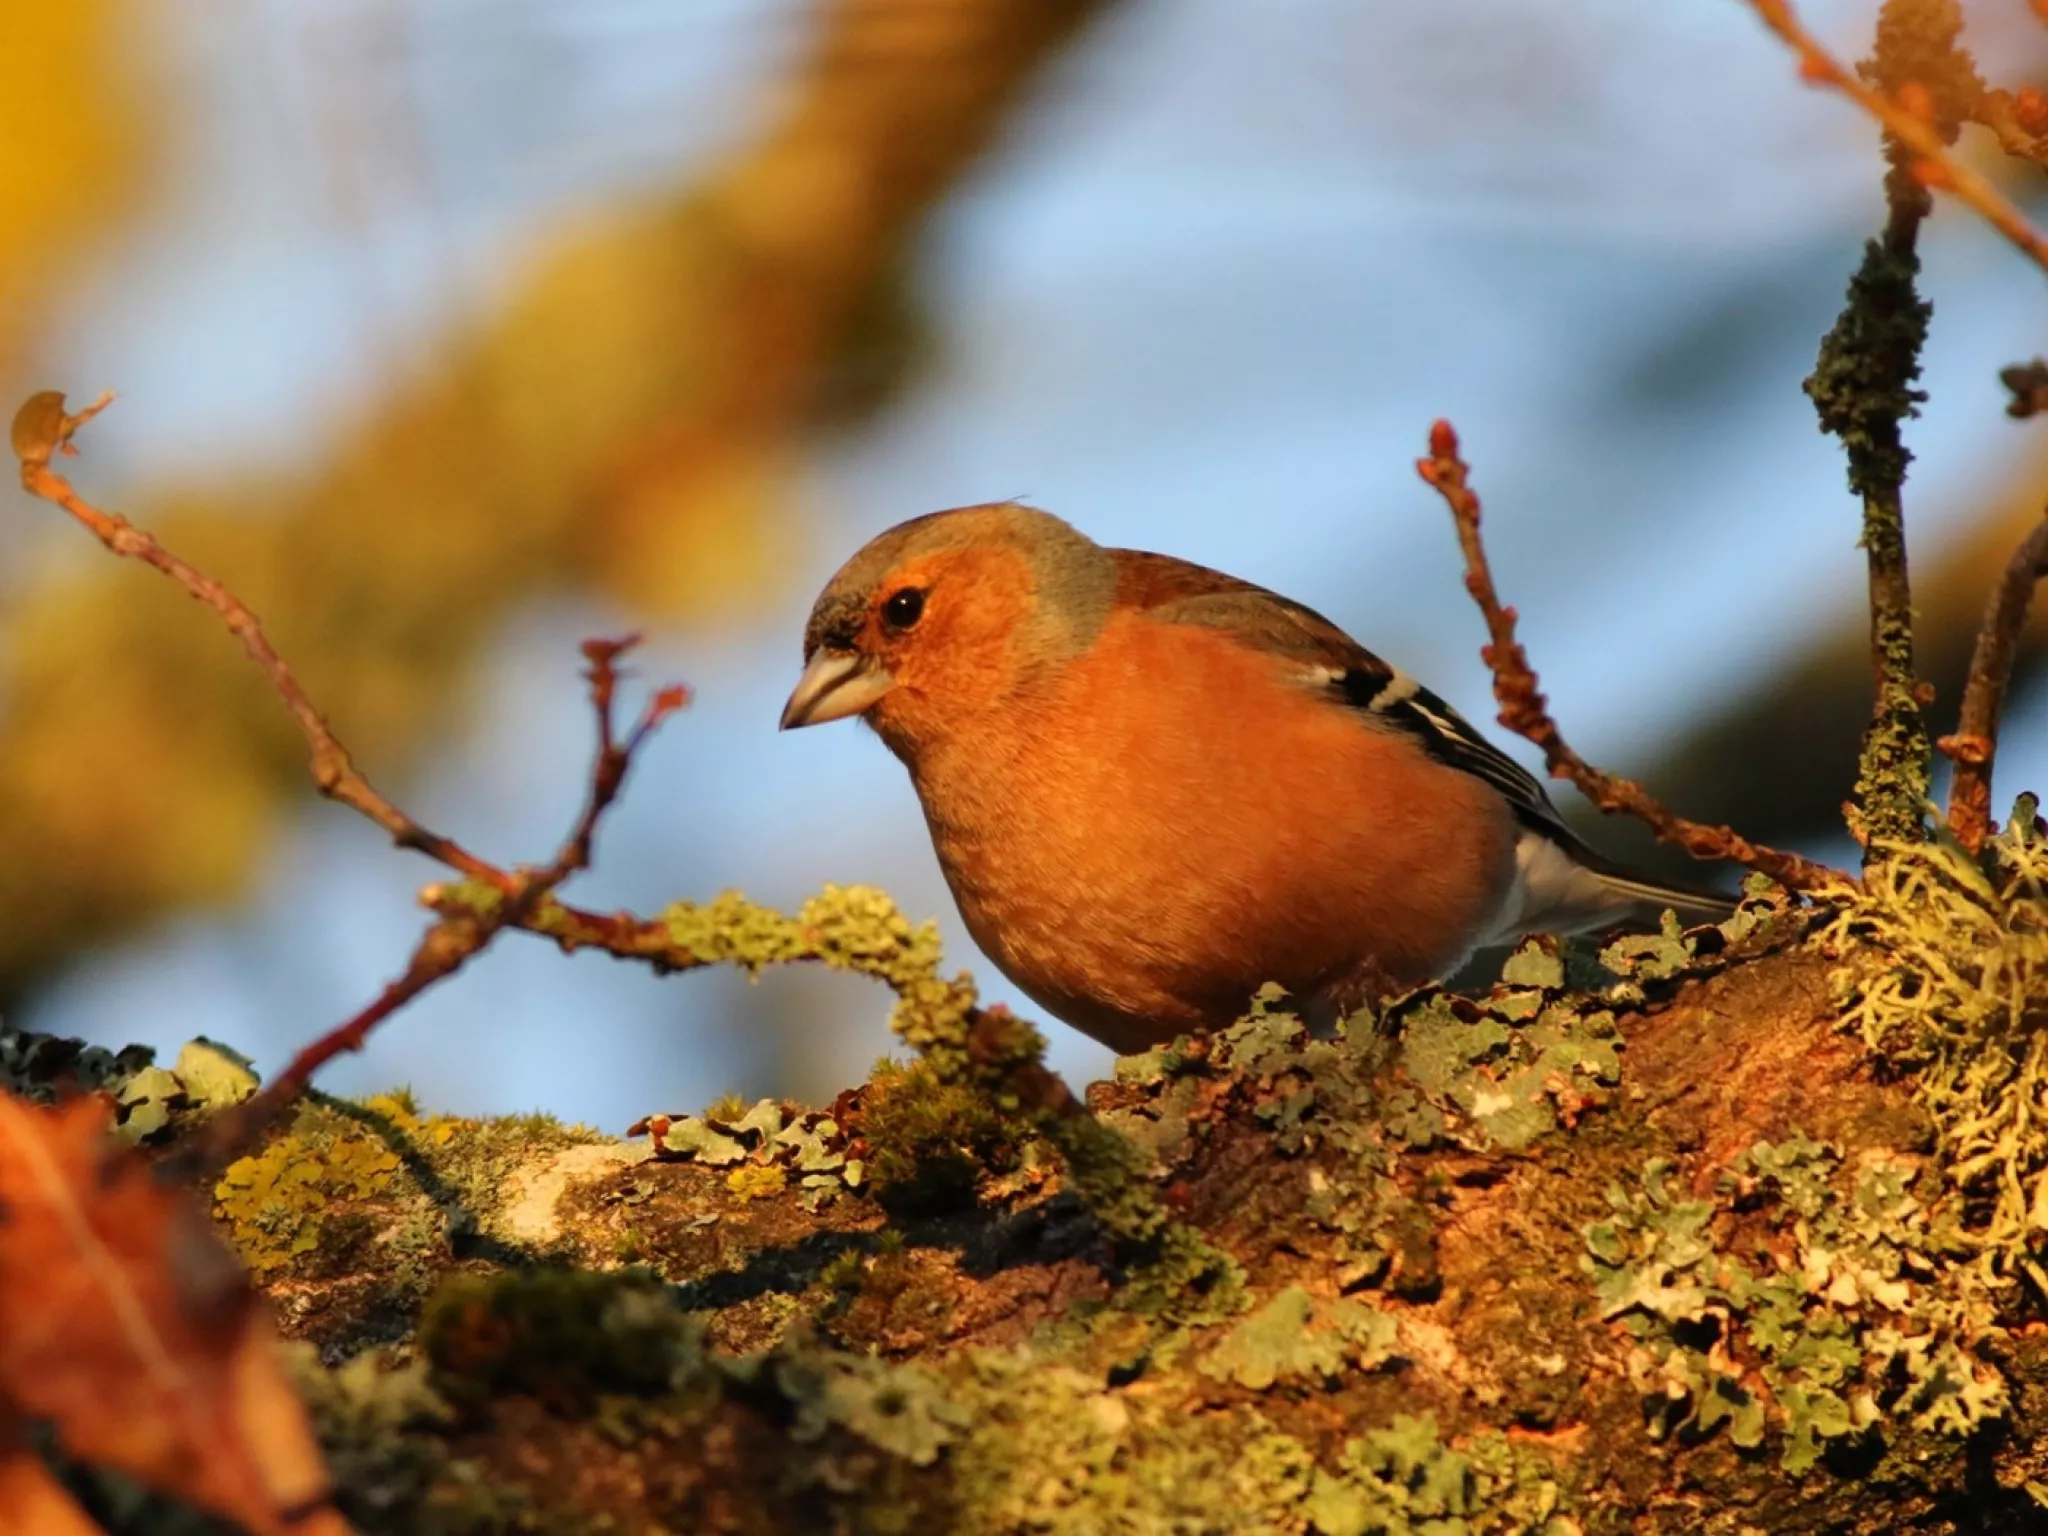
pixel 903 608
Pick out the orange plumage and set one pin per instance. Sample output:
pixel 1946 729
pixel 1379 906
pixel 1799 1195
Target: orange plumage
pixel 1153 788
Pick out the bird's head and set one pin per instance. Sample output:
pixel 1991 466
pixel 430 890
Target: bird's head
pixel 948 615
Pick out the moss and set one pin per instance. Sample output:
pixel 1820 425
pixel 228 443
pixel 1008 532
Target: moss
pixel 929 1142
pixel 565 1337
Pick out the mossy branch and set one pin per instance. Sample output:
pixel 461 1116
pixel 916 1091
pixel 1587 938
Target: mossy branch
pixel 1862 389
pixel 989 1050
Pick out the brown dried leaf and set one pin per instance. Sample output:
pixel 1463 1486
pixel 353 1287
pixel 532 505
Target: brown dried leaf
pixel 132 1330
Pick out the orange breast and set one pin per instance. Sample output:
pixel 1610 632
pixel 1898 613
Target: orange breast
pixel 1173 822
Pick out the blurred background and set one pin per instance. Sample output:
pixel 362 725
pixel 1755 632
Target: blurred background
pixel 451 331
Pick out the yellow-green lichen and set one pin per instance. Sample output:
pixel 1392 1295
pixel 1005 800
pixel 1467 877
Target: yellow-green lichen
pixel 1944 970
pixel 279 1203
pixel 419 1184
pixel 1297 1339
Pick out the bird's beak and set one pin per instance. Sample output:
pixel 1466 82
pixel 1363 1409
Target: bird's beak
pixel 836 684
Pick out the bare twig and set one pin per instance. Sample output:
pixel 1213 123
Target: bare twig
pixel 43 430
pixel 1931 163
pixel 1523 710
pixel 457 935
pixel 1975 742
pixel 614 756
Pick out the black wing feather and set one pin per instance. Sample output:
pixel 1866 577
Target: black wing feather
pixel 1447 736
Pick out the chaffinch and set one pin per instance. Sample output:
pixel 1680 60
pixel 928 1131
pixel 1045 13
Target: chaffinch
pixel 1153 787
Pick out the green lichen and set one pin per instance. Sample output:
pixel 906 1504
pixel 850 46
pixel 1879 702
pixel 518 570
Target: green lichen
pixel 990 1051
pixel 151 1103
pixel 375 1418
pixel 769 1147
pixel 1295 1338
pixel 1944 970
pixel 44 1067
pixel 1051 1449
pixel 1404 1481
pixel 421 1184
pixel 849 928
pixel 1499 1072
pixel 1782 1306
pixel 903 1410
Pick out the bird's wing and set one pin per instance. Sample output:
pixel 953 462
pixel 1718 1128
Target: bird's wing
pixel 1178 592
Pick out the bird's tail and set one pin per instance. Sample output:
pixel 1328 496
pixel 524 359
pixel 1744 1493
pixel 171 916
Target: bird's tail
pixel 1572 889
pixel 1694 904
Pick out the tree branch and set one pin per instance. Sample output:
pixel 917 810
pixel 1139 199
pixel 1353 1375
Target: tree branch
pixel 1975 742
pixel 1523 709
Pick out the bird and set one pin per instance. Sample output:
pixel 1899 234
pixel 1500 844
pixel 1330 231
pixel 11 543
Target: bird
pixel 1154 788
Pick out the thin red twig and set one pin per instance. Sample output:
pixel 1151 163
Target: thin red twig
pixel 1523 710
pixel 1932 163
pixel 1975 743
pixel 43 429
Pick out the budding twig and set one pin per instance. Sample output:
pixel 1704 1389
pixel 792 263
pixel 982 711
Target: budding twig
pixel 1523 709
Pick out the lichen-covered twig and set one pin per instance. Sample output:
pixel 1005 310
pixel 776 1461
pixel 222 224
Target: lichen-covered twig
pixel 1929 160
pixel 861 930
pixel 43 430
pixel 1975 742
pixel 1862 390
pixel 1523 711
